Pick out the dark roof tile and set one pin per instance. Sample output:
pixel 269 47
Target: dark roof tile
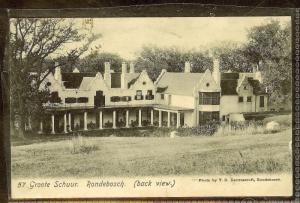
pixel 73 80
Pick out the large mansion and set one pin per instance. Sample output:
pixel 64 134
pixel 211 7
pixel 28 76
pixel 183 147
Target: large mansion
pixel 86 101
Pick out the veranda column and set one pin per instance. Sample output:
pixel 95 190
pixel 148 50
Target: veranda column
pixel 52 119
pixel 114 119
pixel 178 119
pixel 41 127
pixel 100 120
pixel 140 117
pixel 70 122
pixel 159 118
pixel 127 119
pixel 151 117
pixel 65 123
pixel 85 121
pixel 169 119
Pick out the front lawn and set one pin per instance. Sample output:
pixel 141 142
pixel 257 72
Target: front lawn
pixel 147 156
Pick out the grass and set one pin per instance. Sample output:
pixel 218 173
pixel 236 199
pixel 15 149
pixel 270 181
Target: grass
pixel 150 151
pixel 146 156
pixel 82 145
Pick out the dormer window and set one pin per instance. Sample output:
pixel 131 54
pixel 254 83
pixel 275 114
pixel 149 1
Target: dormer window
pixel 139 95
pixel 207 84
pixel 149 95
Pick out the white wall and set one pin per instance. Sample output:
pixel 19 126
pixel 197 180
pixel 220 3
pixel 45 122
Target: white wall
pixel 182 101
pixel 229 104
pixel 189 118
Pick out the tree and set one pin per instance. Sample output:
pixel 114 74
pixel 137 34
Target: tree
pixel 270 47
pixel 232 57
pixel 32 42
pixel 154 59
pixel 94 62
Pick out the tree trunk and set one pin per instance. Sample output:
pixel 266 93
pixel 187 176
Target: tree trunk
pixel 21 128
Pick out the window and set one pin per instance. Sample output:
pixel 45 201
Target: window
pixel 205 117
pixel 126 98
pixel 162 96
pixel 115 99
pixel 70 100
pixel 139 95
pixel 261 101
pixel 149 95
pixel 249 99
pixel 209 98
pixel 82 100
pixel 245 87
pixel 241 99
pixel 144 83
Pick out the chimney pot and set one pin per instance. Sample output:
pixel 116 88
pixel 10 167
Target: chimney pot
pixel 216 71
pixel 124 67
pixel 131 70
pixel 187 67
pixel 107 67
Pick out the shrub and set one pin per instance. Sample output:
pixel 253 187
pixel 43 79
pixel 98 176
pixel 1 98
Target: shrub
pixel 241 128
pixel 81 145
pixel 207 129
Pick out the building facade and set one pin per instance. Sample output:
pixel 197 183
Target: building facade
pixel 88 101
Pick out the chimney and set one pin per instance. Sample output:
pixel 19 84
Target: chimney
pixel 187 67
pixel 216 71
pixel 257 74
pixel 123 75
pixel 124 67
pixel 131 69
pixel 107 67
pixel 57 73
pixel 107 76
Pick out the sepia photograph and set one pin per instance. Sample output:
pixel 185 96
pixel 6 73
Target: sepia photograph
pixel 150 107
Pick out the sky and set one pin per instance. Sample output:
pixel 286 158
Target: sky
pixel 127 36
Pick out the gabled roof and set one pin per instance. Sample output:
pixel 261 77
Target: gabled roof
pixel 229 82
pixel 257 87
pixel 131 78
pixel 73 80
pixel 179 83
pixel 85 84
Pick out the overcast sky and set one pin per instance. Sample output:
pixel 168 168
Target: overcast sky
pixel 126 36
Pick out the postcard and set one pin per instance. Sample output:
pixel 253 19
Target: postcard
pixel 151 107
